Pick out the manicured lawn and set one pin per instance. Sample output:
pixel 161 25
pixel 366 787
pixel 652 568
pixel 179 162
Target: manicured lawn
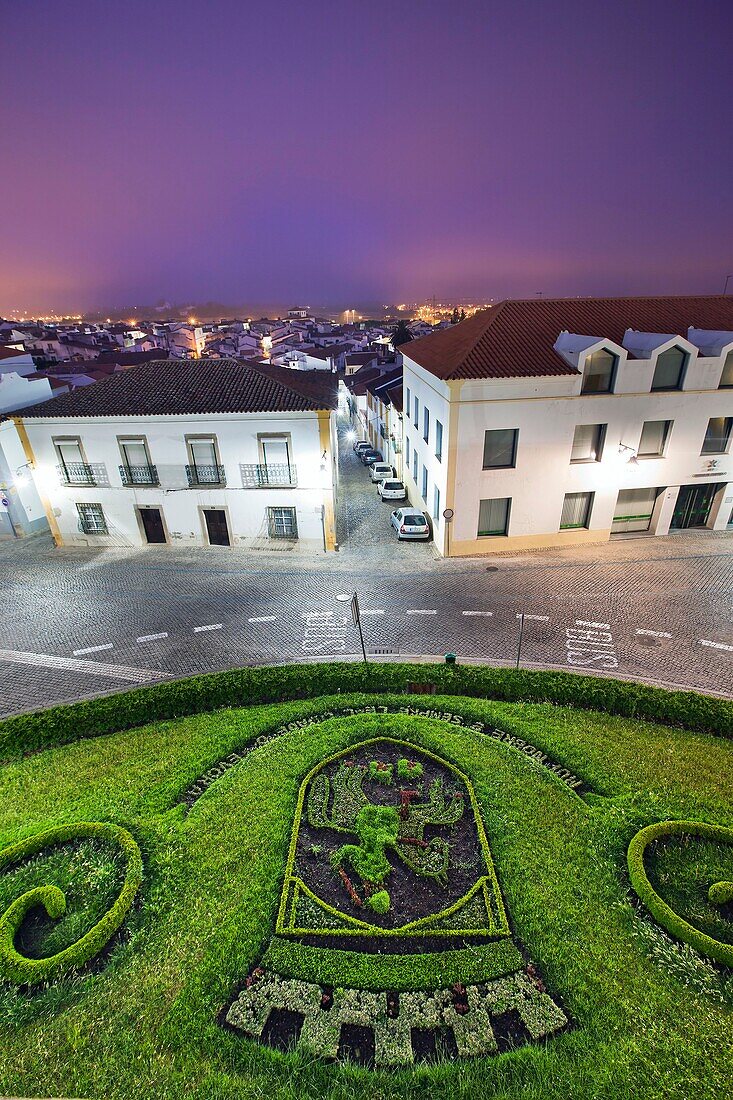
pixel 650 1019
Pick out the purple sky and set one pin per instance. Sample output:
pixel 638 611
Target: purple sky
pixel 349 152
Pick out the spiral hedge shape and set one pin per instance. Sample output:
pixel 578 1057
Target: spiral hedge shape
pixel 719 893
pixel 20 970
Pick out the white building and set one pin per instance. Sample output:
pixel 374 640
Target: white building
pixel 551 423
pixel 197 452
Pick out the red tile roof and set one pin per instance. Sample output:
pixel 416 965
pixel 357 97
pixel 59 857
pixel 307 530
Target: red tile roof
pixel 11 353
pixel 514 339
pixel 180 386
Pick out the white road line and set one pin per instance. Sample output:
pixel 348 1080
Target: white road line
pixel 153 637
pixel 372 611
pixel 93 668
pixel 596 626
pixel 421 611
pixel 716 645
pixel 655 633
pixel 537 618
pixel 93 649
pixel 262 619
pixel 477 613
pixel 212 626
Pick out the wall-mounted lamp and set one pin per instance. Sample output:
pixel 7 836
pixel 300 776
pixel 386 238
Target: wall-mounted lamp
pixel 623 447
pixel 22 478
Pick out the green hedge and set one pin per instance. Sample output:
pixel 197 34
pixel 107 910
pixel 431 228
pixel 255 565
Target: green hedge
pixel 15 967
pixel 247 686
pixel 672 922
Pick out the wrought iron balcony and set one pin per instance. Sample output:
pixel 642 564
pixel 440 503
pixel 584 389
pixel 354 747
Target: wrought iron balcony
pixel 76 473
pixel 204 476
pixel 260 475
pixel 133 476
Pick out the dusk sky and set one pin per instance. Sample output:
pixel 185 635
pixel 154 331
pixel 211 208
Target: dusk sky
pixel 349 153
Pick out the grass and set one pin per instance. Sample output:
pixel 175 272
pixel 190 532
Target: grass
pixel 649 1018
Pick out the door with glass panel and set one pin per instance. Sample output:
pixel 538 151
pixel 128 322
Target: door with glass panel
pixel 136 468
pixel 276 466
pixel 693 506
pixel 204 468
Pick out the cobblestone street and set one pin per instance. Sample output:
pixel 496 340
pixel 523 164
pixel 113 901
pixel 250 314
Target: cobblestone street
pixel 80 623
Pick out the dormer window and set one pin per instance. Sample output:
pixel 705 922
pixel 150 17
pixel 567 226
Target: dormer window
pixel 599 372
pixel 670 370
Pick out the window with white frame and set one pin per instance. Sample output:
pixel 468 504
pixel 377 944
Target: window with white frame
pixel 425 484
pixel 654 436
pixel 425 423
pixel 500 448
pixel 438 440
pixel 599 371
pixel 670 369
pixel 407 450
pixel 436 502
pixel 416 412
pixel 576 510
pixel 414 465
pixel 493 516
pixel 588 443
pixel 91 519
pixel 717 437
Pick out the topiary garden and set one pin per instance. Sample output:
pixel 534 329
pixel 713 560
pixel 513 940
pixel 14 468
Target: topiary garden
pixel 213 888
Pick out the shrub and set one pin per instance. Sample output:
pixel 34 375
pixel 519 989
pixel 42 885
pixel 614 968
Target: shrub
pixel 250 686
pixel 20 970
pixel 672 922
pixel 379 902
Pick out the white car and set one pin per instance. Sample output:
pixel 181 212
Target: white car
pixel 391 489
pixel 362 445
pixel 410 524
pixel 381 470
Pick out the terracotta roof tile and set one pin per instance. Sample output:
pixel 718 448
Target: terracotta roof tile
pixel 181 386
pixel 514 339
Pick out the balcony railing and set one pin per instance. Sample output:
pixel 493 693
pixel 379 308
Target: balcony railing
pixel 139 475
pixel 257 475
pixel 205 476
pixel 76 473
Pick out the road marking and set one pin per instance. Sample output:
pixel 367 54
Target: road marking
pixel 262 619
pixel 477 613
pixel 153 637
pixel 655 633
pixel 93 649
pixel 716 645
pixel 537 618
pixel 590 645
pixel 93 668
pixel 421 611
pixel 212 626
pixel 322 631
pixel 371 611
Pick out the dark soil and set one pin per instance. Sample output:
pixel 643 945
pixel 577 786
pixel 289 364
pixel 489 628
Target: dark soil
pixel 509 1031
pixel 356 1044
pixel 433 1046
pixel 412 895
pixel 282 1028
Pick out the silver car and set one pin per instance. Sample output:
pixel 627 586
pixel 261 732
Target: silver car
pixel 392 489
pixel 380 470
pixel 410 524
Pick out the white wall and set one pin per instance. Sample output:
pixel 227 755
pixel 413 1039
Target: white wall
pixel 237 441
pixel 546 412
pixel 435 395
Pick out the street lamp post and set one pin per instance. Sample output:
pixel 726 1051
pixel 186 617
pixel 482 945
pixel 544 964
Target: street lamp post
pixel 344 597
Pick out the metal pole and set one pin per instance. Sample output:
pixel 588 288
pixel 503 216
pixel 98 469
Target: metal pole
pixel 519 641
pixel 358 623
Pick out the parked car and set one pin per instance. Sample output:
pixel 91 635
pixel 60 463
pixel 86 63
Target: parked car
pixel 391 489
pixel 368 457
pixel 380 471
pixel 410 524
pixel 362 445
